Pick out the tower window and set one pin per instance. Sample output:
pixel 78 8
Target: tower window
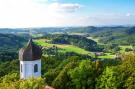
pixel 21 67
pixel 35 68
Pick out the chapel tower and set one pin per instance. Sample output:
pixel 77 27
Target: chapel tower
pixel 30 61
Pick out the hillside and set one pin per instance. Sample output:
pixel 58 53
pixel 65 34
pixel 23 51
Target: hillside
pixel 118 35
pixel 9 41
pixel 125 36
pixel 9 45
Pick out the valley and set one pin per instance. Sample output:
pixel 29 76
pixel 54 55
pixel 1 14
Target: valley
pixel 71 58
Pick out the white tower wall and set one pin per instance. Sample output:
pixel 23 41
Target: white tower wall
pixel 27 69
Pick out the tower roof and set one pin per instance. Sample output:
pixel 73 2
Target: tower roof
pixel 31 52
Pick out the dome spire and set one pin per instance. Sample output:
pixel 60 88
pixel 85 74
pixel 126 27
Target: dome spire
pixel 30 52
pixel 30 42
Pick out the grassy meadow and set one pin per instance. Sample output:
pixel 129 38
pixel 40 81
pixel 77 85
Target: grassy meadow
pixel 63 47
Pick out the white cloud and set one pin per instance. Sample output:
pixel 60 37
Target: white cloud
pixel 68 7
pixel 130 14
pixel 41 1
pixel 28 13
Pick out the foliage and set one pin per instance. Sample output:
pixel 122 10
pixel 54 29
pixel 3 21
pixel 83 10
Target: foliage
pixel 11 77
pixel 119 76
pixel 74 72
pixel 32 84
pixel 83 76
pixel 9 67
pixel 24 84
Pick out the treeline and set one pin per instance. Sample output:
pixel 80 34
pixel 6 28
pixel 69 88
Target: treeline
pixel 76 40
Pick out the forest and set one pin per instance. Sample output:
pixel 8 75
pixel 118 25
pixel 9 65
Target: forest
pixel 63 67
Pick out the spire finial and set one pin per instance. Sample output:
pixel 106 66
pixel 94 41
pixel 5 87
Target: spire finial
pixel 30 42
pixel 30 34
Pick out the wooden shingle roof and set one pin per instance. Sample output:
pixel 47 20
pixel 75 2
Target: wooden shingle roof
pixel 31 52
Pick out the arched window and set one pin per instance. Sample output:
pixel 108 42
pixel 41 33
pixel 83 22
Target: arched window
pixel 35 68
pixel 21 67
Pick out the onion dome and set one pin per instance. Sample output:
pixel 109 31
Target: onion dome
pixel 31 52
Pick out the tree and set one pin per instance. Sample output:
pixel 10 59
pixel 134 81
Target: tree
pixel 62 81
pixel 83 76
pixel 108 79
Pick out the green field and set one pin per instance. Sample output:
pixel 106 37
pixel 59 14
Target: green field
pixel 81 34
pixel 111 56
pixel 64 47
pixel 42 42
pixel 124 47
pixel 107 56
pixel 95 39
pixel 36 35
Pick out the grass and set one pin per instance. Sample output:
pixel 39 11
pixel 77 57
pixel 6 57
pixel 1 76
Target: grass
pixel 123 48
pixel 64 47
pixel 42 42
pixel 71 48
pixel 81 34
pixel 111 56
pixel 107 56
pixel 37 35
pixel 95 39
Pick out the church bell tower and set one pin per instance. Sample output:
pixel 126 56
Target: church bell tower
pixel 30 61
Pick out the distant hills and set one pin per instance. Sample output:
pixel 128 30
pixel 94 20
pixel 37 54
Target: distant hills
pixel 130 31
pixel 89 29
pixel 13 30
pixel 119 34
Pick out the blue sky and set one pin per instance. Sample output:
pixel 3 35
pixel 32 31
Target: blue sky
pixel 105 6
pixel 52 13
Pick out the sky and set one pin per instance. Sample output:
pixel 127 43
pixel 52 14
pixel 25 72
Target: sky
pixel 55 13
